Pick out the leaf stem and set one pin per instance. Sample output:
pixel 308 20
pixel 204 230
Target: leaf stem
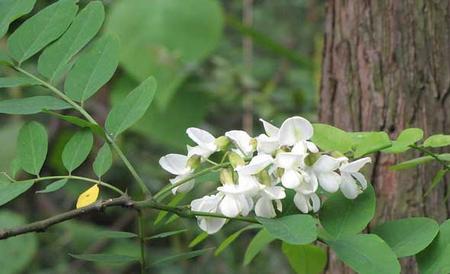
pixel 83 112
pixel 430 153
pixel 141 232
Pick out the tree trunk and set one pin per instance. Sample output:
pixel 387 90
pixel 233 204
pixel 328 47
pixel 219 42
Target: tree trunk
pixel 386 66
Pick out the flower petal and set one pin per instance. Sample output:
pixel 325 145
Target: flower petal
pixel 270 129
pixel 274 192
pixel 349 188
pixel 200 136
pixel 288 160
pixel 186 187
pixel 248 184
pixel 326 163
pixel 201 151
pixel 329 181
pixel 210 225
pixel 355 166
pixel 229 206
pixel 242 140
pixel 257 164
pixel 175 164
pixel 291 179
pixel 301 203
pixel 265 144
pixel 264 208
pixel 361 179
pixel 295 129
pixel 312 147
pixel 315 202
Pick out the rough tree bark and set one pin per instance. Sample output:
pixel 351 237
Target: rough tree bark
pixel 386 67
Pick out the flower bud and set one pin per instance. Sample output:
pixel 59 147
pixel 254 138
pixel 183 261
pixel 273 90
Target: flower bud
pixel 226 176
pixel 194 162
pixel 312 158
pixel 253 143
pixel 235 159
pixel 222 142
pixel 279 172
pixel 264 178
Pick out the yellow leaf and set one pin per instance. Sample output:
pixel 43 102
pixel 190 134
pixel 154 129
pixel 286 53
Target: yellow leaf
pixel 88 197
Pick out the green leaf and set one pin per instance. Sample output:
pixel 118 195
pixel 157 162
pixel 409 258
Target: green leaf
pixel 78 122
pixel 16 253
pixel 436 180
pixel 54 186
pixel 93 69
pixel 164 38
pixel 258 243
pixel 53 61
pixel 412 163
pixel 434 259
pixel 406 138
pixel 366 254
pixel 369 142
pixel 11 190
pixel 293 229
pixel 32 105
pixel 341 216
pixel 132 108
pixel 438 140
pixel 10 10
pixel 200 238
pixel 41 29
pixel 182 256
pixel 105 258
pixel 409 236
pixel 32 145
pixel 112 234
pixel 230 239
pixel 174 202
pixel 166 234
pixel 305 259
pixel 16 81
pixel 329 138
pixel 103 161
pixel 77 150
pixel 4 59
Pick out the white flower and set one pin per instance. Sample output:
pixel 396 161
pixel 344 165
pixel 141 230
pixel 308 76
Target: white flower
pixel 290 162
pixel 307 202
pixel 268 195
pixel 208 204
pixel 176 164
pixel 351 176
pixel 268 143
pixel 256 165
pixel 235 201
pixel 323 170
pixel 205 142
pixel 242 141
pixel 294 130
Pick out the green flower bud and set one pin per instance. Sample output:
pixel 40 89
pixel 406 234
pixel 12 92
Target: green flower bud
pixel 226 176
pixel 279 172
pixel 312 158
pixel 222 142
pixel 194 162
pixel 264 178
pixel 235 159
pixel 253 143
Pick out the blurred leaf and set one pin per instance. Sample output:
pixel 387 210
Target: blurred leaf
pixel 112 234
pixel 230 239
pixel 8 135
pixel 131 109
pixel 174 202
pixel 305 259
pixel 293 229
pixel 32 105
pixel 412 163
pixel 78 122
pixel 406 138
pixel 53 61
pixel 10 10
pixel 434 259
pixel 166 234
pixel 41 29
pixel 32 145
pixel 16 253
pixel 438 177
pixel 105 258
pixel 330 138
pixel 341 216
pixel 16 81
pixel 88 197
pixel 11 190
pixel 366 254
pixel 77 150
pixel 438 140
pixel 369 142
pixel 93 69
pixel 200 238
pixel 4 59
pixel 164 38
pixel 409 236
pixel 258 243
pixel 54 186
pixel 103 161
pixel 182 256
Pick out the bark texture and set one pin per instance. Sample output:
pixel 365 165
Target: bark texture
pixel 386 67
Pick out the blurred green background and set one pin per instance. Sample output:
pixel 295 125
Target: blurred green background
pixel 220 65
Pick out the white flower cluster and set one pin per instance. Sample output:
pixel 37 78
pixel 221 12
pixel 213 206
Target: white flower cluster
pixel 261 169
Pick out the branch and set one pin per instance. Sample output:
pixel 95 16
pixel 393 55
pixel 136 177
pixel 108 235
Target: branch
pixel 41 226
